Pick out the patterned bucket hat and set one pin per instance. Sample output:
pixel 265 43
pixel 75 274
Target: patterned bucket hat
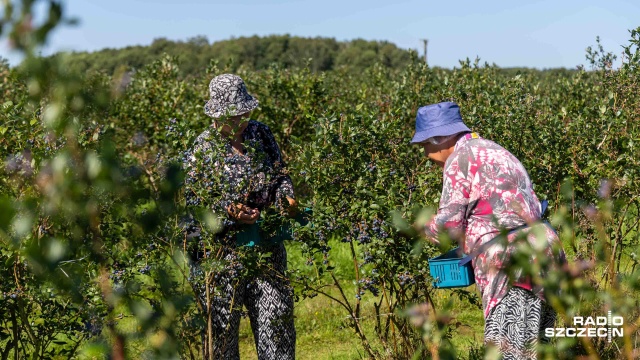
pixel 229 97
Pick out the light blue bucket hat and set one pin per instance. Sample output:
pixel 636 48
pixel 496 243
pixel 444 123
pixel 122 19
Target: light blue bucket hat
pixel 440 119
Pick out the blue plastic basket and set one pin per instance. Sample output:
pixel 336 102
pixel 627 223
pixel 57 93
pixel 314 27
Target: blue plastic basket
pixel 448 273
pixel 250 234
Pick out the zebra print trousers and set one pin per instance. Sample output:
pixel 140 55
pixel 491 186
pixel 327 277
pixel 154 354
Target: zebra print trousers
pixel 269 301
pixel 516 325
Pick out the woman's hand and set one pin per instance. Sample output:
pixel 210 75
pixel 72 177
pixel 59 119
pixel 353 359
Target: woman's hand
pixel 243 213
pixel 291 208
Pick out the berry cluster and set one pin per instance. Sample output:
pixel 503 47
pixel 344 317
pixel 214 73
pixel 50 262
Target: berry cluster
pixel 45 231
pixel 117 275
pixel 186 157
pixel 371 167
pixel 406 279
pixel 233 268
pixel 53 143
pixel 363 233
pixel 332 226
pixel 93 327
pixel 145 269
pixel 172 128
pixel 189 225
pixel 359 232
pixel 378 230
pixel 369 284
pixel 195 274
pixel 20 162
pixel 368 258
pixel 348 191
pixel 13 295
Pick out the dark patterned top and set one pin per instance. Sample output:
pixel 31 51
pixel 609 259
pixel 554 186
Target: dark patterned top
pixel 217 175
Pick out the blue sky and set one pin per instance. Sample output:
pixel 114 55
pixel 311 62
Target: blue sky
pixel 540 34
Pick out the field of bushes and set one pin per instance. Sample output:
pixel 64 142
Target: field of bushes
pixel 93 241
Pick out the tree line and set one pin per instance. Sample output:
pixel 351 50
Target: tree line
pixel 256 53
pixel 252 53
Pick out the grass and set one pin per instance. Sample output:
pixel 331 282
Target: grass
pixel 321 327
pixel 322 332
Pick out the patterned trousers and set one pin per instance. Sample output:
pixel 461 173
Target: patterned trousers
pixel 268 299
pixel 516 325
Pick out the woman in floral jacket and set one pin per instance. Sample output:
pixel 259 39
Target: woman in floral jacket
pixel 487 189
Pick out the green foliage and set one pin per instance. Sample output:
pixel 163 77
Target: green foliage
pixel 92 206
pixel 251 53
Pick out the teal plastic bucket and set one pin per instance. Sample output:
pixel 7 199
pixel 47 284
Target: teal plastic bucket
pixel 447 273
pixel 250 234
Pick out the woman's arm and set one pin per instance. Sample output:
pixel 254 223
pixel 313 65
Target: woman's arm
pixel 454 201
pixel 282 184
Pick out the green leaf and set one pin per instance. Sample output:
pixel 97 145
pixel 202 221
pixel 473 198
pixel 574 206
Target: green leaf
pixel 400 223
pixel 7 213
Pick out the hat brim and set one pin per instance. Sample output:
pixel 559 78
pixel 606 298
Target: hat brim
pixel 442 130
pixel 244 107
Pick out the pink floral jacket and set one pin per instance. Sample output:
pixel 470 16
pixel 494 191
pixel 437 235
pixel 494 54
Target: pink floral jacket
pixel 487 189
